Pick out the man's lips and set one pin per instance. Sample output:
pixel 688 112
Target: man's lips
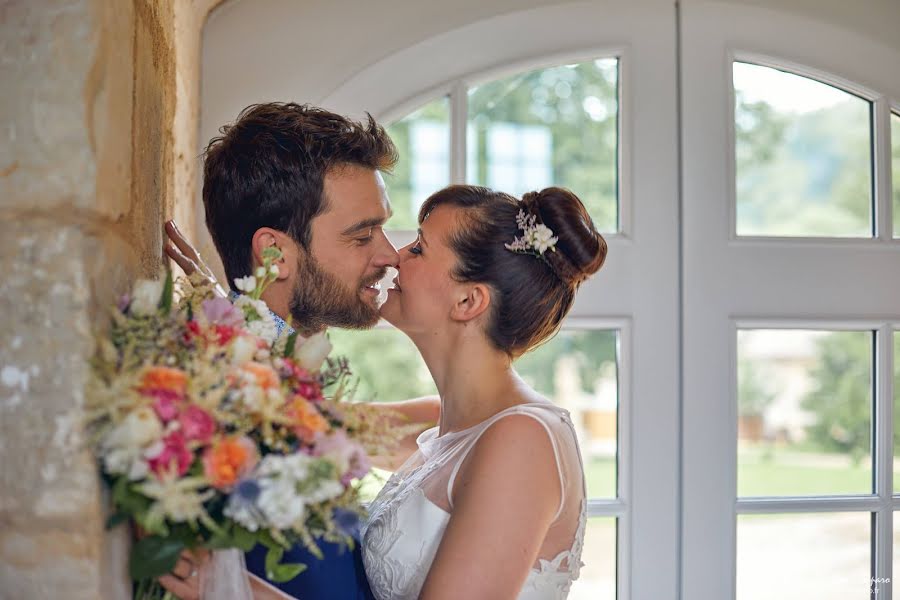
pixel 373 286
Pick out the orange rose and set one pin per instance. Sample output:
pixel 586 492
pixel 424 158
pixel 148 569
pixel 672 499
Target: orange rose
pixel 227 460
pixel 307 419
pixel 164 379
pixel 264 375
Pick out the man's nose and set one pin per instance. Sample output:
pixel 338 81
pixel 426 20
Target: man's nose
pixel 387 255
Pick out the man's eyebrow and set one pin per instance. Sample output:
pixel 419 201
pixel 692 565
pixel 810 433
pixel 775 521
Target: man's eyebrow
pixel 422 236
pixel 364 224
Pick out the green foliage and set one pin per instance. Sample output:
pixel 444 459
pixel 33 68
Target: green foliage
pixel 842 395
pixel 390 368
pixel 584 143
pixel 168 293
pixel 276 570
pixel 386 362
pixel 591 349
pixel 755 393
pixel 584 147
pixel 399 182
pixel 803 174
pixel 153 556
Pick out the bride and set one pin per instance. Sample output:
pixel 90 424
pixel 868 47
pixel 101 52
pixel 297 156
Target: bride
pixel 491 504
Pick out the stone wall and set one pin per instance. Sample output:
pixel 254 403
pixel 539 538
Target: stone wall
pixel 90 93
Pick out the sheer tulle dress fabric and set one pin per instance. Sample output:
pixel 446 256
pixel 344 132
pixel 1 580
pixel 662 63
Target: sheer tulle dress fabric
pixel 408 518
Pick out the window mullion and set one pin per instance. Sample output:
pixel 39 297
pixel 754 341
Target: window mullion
pixel 459 107
pixel 881 157
pixel 884 435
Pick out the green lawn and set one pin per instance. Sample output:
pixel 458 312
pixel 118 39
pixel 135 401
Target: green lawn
pixel 783 473
pixel 792 473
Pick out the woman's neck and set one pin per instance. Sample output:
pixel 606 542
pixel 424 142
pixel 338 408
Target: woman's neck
pixel 475 381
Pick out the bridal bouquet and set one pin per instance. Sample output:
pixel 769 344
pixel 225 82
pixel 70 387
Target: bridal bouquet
pixel 214 432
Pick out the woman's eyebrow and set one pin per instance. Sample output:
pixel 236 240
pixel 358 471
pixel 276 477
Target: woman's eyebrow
pixel 422 236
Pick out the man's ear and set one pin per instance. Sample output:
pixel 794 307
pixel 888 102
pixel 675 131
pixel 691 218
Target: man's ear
pixel 474 300
pixel 265 237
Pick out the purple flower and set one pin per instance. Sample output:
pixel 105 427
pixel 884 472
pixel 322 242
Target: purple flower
pixel 220 311
pixel 124 301
pixel 247 490
pixel 347 521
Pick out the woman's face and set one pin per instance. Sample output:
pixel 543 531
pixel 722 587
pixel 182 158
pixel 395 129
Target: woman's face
pixel 425 291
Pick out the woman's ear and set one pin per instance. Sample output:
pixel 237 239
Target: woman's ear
pixel 474 301
pixel 265 237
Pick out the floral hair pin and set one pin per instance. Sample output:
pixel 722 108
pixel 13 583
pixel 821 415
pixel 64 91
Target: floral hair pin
pixel 536 237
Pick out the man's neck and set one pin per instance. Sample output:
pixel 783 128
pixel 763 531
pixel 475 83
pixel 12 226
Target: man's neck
pixel 279 305
pixel 277 302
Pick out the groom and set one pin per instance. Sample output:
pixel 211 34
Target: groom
pixel 307 181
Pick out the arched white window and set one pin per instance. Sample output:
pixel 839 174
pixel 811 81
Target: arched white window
pixel 731 365
pixel 790 302
pixel 593 111
pixel 523 131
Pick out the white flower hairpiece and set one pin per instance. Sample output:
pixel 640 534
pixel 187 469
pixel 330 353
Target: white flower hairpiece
pixel 536 237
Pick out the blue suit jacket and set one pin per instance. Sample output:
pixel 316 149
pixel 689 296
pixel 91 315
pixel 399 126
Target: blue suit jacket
pixel 338 576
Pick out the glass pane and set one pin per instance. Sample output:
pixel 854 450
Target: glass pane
pixel 895 169
pixel 803 156
pixel 578 371
pixel 804 412
pixel 423 142
pixel 387 364
pixel 388 368
pixel 555 126
pixel 896 411
pixel 895 569
pixel 598 575
pixel 803 557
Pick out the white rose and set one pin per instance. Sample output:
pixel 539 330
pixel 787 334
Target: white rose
pixel 123 446
pixel 140 428
pixel 145 297
pixel 311 352
pixel 126 461
pixel 242 350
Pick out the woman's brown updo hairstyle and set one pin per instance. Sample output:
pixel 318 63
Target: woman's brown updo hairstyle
pixel 531 294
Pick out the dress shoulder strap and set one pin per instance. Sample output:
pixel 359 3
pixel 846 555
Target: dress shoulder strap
pixel 539 413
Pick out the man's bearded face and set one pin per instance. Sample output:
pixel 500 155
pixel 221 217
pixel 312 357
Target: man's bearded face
pixel 320 299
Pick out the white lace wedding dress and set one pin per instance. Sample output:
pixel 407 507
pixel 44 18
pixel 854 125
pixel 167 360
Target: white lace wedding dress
pixel 408 518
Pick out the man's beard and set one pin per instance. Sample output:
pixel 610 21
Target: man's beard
pixel 322 300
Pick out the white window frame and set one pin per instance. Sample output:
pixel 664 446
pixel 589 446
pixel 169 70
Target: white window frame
pixel 733 281
pixel 637 291
pixel 457 93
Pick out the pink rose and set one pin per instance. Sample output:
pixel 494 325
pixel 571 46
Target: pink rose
pixel 310 391
pixel 348 456
pixel 220 311
pixel 197 424
pixel 171 450
pixel 165 404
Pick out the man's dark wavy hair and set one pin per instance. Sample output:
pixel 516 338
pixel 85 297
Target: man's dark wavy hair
pixel 268 169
